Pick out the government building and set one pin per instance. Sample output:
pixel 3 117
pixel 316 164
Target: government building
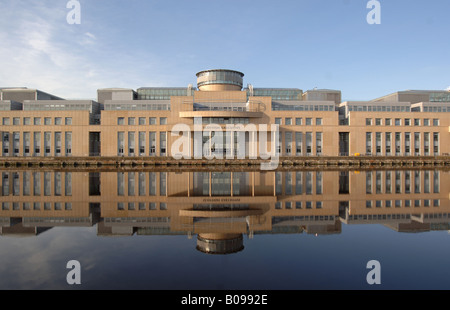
pixel 144 122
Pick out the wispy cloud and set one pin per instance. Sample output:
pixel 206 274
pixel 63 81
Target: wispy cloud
pixel 41 50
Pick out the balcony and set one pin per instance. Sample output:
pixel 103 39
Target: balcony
pixel 223 109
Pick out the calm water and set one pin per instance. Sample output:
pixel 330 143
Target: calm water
pixel 225 230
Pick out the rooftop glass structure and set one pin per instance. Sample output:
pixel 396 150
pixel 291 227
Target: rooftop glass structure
pixel 302 106
pixel 62 105
pixel 153 93
pixel 221 77
pixel 440 97
pixel 278 93
pixel 137 105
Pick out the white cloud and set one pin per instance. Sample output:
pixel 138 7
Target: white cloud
pixel 448 88
pixel 70 61
pixel 90 35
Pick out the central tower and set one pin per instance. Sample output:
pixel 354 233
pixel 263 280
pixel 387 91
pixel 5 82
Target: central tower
pixel 220 80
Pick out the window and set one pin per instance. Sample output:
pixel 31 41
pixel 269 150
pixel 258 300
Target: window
pixel 436 143
pixel 378 122
pixel 131 121
pixel 417 122
pixel 368 122
pixel 141 120
pixel 388 143
pixel 163 121
pixel 121 121
pixel 398 122
pixel 407 143
pixel 68 121
pixel 378 143
pixel 27 121
pixel 47 121
pixel 318 143
pixel 152 121
pixel 368 143
pixel 298 121
pixel 426 122
pixel 308 121
pixel 435 122
pixel 288 121
pixel 278 121
pixel 58 121
pixel 407 122
pixel 6 121
pixel 16 121
pixel 318 121
pixel 388 122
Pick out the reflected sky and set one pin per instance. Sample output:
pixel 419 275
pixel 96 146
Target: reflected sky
pixel 301 254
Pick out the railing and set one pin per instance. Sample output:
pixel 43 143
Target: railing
pixel 225 105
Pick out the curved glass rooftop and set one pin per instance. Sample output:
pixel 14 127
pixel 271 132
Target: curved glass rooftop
pixel 221 77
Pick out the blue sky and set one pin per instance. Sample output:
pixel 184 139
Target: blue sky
pixel 301 44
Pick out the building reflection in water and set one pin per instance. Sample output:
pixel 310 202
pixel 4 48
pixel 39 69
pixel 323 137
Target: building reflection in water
pixel 219 208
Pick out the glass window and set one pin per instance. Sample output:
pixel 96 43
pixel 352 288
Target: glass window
pixel 398 122
pixel 152 120
pixel 288 121
pixel 6 121
pixel 163 121
pixel 141 120
pixel 278 121
pixel 308 121
pixel 47 121
pixel 435 122
pixel 120 121
pixel 318 121
pixel 27 121
pixel 416 122
pixel 378 121
pixel 368 121
pixel 298 121
pixel 426 122
pixel 37 120
pixel 387 122
pixel 131 121
pixel 68 121
pixel 407 122
pixel 58 120
pixel 16 121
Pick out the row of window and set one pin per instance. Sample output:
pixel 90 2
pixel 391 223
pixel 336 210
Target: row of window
pixel 142 179
pixel 405 203
pixel 303 183
pixel 26 121
pixel 412 182
pixel 300 107
pixel 398 122
pixel 36 206
pixel 11 144
pixel 370 108
pixel 298 121
pixel 141 206
pixel 31 183
pixel 142 144
pixel 289 205
pixel 411 142
pixel 142 121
